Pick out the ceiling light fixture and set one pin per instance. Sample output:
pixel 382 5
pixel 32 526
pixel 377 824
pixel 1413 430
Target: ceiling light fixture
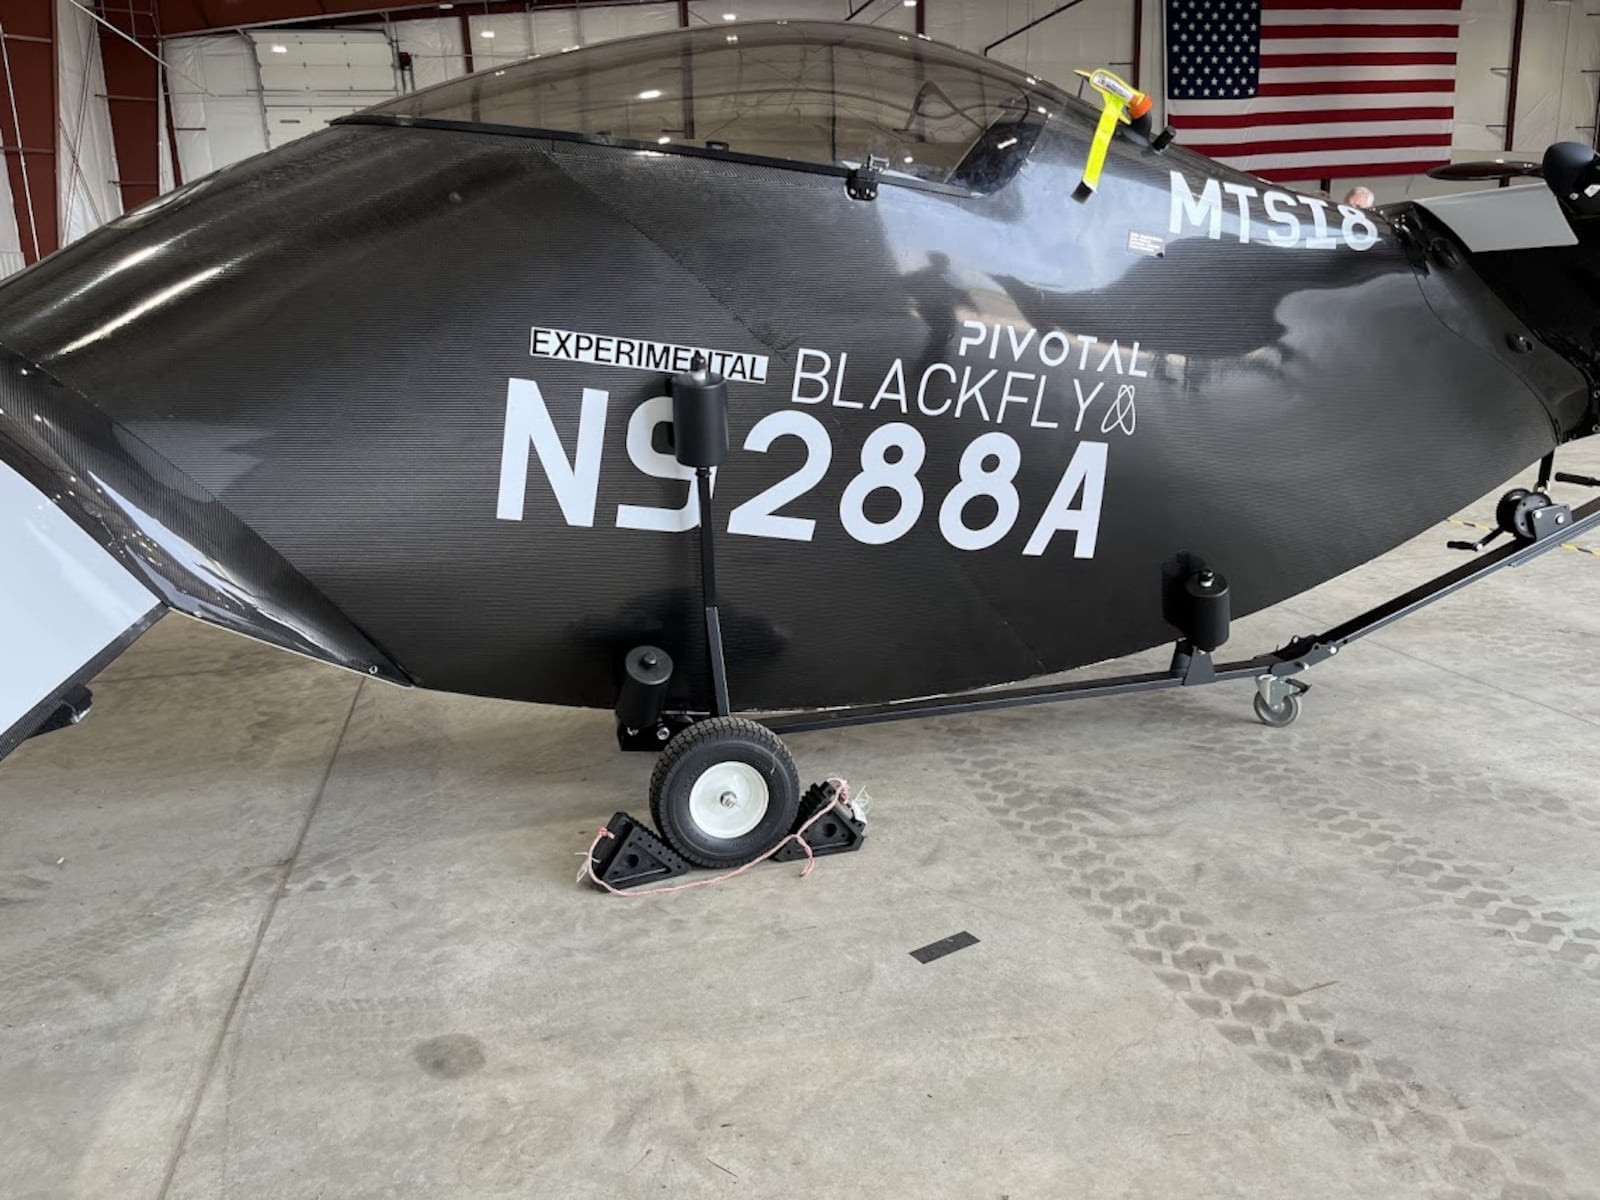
pixel 487 33
pixel 650 94
pixel 280 49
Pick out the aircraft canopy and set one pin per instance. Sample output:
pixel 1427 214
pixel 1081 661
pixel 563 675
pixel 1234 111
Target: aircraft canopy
pixel 806 92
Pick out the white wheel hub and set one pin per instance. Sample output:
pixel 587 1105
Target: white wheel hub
pixel 728 800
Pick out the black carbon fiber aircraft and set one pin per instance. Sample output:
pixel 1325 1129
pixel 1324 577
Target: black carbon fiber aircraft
pixel 796 369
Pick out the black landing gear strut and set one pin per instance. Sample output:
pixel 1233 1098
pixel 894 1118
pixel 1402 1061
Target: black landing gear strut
pixel 725 789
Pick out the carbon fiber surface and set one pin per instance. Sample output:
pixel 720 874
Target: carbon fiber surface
pixel 328 341
pixel 160 525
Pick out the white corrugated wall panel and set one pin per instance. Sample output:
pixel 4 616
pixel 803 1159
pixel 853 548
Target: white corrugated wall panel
pixel 216 101
pixel 435 48
pixel 310 78
pixel 521 35
pixel 11 259
pixel 86 160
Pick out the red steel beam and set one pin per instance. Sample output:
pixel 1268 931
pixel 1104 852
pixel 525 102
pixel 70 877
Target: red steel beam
pixel 129 53
pixel 199 16
pixel 28 120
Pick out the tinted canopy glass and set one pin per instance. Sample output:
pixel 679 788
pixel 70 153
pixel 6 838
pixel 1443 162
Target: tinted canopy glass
pixel 808 92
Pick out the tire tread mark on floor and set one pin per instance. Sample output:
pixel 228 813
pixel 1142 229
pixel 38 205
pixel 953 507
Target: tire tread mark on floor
pixel 1465 891
pixel 46 972
pixel 1419 1130
pixel 287 869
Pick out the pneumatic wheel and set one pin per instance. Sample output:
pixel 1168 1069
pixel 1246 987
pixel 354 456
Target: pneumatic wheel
pixel 1284 714
pixel 724 791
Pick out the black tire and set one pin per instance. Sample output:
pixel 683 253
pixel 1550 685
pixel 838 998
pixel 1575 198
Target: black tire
pixel 713 744
pixel 1281 717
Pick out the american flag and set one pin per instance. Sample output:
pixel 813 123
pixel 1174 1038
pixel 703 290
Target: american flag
pixel 1307 89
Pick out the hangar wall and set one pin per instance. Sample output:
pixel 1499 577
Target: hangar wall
pixel 236 94
pixel 86 161
pixel 1556 101
pixel 10 235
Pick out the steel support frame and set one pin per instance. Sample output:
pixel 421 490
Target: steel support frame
pixel 1514 73
pixel 181 18
pixel 1138 42
pixel 1514 77
pixel 1192 667
pixel 130 53
pixel 1022 29
pixel 28 109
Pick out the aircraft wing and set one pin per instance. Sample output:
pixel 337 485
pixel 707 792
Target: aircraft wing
pixel 69 608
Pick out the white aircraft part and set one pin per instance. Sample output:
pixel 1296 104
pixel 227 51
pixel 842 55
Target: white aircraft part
pixel 63 601
pixel 1513 218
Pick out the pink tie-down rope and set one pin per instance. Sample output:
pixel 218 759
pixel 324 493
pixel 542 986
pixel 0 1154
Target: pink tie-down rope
pixel 841 801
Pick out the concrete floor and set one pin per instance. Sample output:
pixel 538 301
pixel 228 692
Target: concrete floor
pixel 269 931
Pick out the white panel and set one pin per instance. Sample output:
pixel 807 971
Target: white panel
pixel 1578 94
pixel 435 49
pixel 311 77
pixel 511 40
pixel 286 122
pixel 1096 33
pixel 550 31
pixel 1513 218
pixel 1483 57
pixel 604 24
pixel 1555 97
pixel 87 163
pixel 1540 83
pixel 11 260
pixel 216 101
pixel 325 62
pixel 63 600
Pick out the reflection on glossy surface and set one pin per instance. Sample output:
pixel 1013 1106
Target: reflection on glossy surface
pixel 805 91
pixel 147 305
pixel 302 375
pixel 160 526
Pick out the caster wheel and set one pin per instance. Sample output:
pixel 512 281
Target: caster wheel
pixel 724 791
pixel 1285 714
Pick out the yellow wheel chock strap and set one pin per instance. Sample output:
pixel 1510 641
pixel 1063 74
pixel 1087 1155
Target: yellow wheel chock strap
pixel 1122 103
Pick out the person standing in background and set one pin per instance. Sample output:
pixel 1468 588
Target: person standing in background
pixel 1360 197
